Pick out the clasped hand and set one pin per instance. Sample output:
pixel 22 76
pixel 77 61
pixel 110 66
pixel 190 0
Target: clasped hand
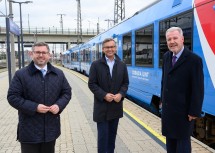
pixel 190 118
pixel 54 109
pixel 110 97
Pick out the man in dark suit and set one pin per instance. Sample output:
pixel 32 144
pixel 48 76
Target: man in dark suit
pixel 182 92
pixel 108 80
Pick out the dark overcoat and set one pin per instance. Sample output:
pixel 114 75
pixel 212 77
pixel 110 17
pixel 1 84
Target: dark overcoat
pixel 182 93
pixel 27 90
pixel 100 83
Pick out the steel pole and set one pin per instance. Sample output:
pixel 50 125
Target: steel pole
pixel 8 49
pixel 19 55
pixel 21 36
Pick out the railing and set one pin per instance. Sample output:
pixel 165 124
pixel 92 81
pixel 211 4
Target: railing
pixel 3 63
pixel 51 31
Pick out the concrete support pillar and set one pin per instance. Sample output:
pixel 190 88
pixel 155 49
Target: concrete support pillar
pixel 68 45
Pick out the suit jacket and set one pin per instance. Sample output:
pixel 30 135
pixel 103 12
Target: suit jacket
pixel 182 92
pixel 101 83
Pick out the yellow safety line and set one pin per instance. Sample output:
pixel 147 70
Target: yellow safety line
pixel 160 137
pixel 148 128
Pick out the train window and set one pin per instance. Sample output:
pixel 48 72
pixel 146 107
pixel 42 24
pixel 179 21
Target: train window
pixel 68 59
pixel 100 51
pixel 82 55
pixel 127 48
pixel 97 51
pixel 144 47
pixel 94 56
pixel 64 58
pixel 76 56
pixel 87 55
pixel 72 56
pixel 98 55
pixel 183 21
pixel 116 41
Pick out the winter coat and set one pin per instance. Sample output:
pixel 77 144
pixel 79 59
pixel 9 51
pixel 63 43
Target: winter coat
pixel 181 94
pixel 101 83
pixel 27 90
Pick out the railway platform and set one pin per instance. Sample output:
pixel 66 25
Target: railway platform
pixel 139 131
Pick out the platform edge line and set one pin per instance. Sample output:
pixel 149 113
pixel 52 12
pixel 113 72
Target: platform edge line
pixel 148 128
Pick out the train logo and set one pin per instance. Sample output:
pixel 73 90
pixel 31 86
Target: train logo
pixel 206 34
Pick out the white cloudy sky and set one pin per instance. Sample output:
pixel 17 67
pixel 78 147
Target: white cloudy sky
pixel 43 13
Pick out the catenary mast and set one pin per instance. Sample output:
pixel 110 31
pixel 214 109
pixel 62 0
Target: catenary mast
pixel 119 11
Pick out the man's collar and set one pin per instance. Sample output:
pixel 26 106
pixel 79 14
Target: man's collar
pixel 179 53
pixel 39 68
pixel 107 59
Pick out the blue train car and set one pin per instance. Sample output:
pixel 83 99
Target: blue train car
pixel 71 59
pixel 67 59
pixel 141 44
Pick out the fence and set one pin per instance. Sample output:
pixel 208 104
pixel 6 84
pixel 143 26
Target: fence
pixel 50 31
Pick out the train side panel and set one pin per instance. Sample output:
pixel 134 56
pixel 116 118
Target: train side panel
pixel 203 38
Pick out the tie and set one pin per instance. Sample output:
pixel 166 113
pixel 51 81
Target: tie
pixel 174 60
pixel 43 72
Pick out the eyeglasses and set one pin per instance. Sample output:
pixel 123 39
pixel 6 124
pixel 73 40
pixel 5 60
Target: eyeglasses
pixel 109 47
pixel 39 53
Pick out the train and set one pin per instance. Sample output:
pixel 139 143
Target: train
pixel 141 44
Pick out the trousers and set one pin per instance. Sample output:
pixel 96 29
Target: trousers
pixel 178 145
pixel 107 131
pixel 44 147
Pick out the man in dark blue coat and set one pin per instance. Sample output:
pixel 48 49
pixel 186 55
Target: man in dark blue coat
pixel 182 92
pixel 39 92
pixel 108 80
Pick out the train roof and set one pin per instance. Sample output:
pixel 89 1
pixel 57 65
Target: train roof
pixel 157 10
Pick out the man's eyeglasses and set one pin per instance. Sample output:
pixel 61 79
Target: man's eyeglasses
pixel 39 53
pixel 109 47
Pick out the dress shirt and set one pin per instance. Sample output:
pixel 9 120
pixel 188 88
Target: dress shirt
pixel 43 70
pixel 110 64
pixel 179 54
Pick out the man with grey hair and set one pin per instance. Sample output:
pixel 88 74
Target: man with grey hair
pixel 182 92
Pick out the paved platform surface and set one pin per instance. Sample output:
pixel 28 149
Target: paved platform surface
pixel 78 131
